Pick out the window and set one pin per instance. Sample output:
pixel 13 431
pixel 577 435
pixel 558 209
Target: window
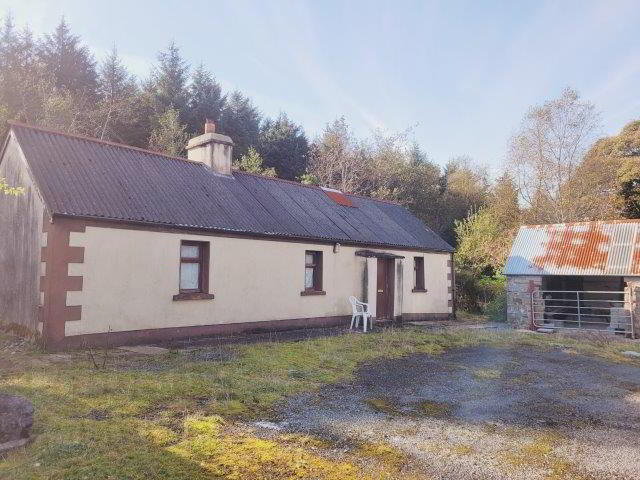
pixel 312 273
pixel 418 274
pixel 194 271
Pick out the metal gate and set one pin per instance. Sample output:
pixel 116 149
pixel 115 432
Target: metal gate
pixel 585 310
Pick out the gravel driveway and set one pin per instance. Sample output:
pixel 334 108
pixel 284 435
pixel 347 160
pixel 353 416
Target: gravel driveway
pixel 486 412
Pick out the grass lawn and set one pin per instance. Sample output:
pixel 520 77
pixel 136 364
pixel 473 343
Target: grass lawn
pixel 186 414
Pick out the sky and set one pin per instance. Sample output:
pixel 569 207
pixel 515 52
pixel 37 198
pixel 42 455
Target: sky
pixel 460 75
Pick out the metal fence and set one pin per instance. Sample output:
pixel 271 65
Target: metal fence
pixel 586 310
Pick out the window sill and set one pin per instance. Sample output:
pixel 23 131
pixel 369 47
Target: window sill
pixel 419 290
pixel 312 292
pixel 193 296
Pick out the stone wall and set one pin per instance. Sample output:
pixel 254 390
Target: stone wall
pixel 519 288
pixel 633 284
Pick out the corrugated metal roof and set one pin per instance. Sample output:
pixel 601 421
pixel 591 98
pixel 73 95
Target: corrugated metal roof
pixel 588 248
pixel 83 177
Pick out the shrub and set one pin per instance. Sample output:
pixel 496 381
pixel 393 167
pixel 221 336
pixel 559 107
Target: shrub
pixel 496 309
pixel 476 293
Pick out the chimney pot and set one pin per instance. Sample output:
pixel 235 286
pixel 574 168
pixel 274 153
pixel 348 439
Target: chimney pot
pixel 209 126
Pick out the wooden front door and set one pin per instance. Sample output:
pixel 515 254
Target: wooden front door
pixel 384 297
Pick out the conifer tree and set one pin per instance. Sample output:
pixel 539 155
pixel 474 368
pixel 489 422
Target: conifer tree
pixel 169 136
pixel 284 146
pixel 18 74
pixel 240 120
pixel 252 162
pixel 167 86
pixel 69 64
pixel 205 99
pixel 118 97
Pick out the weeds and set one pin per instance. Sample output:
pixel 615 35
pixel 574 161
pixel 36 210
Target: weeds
pixel 105 353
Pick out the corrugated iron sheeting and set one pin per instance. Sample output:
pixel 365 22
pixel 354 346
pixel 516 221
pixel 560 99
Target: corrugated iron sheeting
pixel 88 178
pixel 588 248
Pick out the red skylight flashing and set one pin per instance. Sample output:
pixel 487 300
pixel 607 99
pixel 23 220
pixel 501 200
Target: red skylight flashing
pixel 338 197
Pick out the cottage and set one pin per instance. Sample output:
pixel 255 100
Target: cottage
pixel 575 276
pixel 116 244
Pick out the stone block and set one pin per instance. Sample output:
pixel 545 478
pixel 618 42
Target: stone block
pixel 16 419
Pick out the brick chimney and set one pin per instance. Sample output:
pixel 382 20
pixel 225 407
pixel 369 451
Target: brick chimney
pixel 212 149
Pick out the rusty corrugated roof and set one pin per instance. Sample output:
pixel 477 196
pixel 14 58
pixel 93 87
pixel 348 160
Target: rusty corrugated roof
pixel 587 248
pixel 83 177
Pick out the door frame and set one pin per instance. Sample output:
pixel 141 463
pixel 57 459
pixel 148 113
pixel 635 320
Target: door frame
pixel 389 287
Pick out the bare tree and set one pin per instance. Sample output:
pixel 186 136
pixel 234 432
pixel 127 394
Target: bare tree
pixel 337 159
pixel 545 153
pixel 117 94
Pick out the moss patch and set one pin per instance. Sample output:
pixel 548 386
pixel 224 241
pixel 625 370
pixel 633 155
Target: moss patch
pixel 486 373
pixel 383 405
pixel 524 379
pixel 387 454
pixel 158 435
pixel 242 456
pixel 431 408
pixel 462 449
pixel 539 453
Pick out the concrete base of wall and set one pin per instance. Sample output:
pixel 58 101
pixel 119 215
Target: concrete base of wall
pixel 383 322
pixel 418 317
pixel 136 337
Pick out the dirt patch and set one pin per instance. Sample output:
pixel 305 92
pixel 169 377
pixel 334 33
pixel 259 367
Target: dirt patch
pixel 95 414
pixel 486 412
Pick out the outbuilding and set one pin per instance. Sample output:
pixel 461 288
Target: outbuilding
pixel 114 244
pixel 575 276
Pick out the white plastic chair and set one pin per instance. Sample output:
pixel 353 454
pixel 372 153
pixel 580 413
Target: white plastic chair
pixel 360 310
